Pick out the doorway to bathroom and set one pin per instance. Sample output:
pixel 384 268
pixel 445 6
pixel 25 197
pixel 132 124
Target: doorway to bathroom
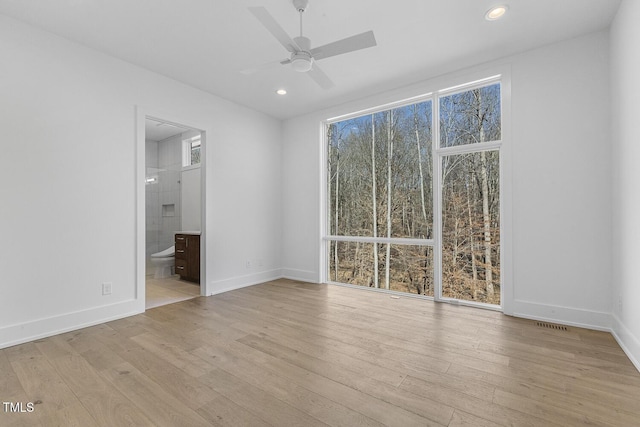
pixel 173 206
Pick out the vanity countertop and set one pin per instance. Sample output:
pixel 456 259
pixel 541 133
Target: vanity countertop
pixel 196 233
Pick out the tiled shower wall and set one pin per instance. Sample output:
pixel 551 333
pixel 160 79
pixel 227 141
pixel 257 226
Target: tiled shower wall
pixel 152 201
pixel 164 162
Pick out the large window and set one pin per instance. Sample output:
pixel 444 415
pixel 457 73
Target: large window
pixel 470 238
pixel 380 189
pixel 413 196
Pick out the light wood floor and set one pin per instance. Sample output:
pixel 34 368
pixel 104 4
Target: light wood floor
pixel 168 291
pixel 286 353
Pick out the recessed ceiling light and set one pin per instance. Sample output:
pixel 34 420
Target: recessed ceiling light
pixel 495 13
pixel 281 91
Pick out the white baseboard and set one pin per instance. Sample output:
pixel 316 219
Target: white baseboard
pixel 569 316
pixel 301 275
pixel 630 343
pixel 233 283
pixel 46 327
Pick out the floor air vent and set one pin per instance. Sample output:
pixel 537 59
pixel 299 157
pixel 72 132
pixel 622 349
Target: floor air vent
pixel 551 326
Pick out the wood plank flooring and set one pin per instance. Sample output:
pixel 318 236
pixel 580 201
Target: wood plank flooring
pixel 168 291
pixel 287 353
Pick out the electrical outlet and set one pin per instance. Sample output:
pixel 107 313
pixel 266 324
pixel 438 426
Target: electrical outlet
pixel 248 264
pixel 106 288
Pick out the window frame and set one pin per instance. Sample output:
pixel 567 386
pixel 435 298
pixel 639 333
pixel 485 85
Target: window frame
pixel 502 76
pixel 187 150
pixel 439 153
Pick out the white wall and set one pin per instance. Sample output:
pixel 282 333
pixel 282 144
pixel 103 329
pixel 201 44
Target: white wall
pixel 625 111
pixel 190 191
pixel 68 192
pixel 191 199
pixel 560 188
pixel 562 179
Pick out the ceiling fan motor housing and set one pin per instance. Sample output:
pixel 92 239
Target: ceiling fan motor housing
pixel 301 60
pixel 304 43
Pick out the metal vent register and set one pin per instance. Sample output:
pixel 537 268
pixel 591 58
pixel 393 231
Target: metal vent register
pixel 551 326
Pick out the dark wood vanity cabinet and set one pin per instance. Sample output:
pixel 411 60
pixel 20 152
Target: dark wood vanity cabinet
pixel 188 257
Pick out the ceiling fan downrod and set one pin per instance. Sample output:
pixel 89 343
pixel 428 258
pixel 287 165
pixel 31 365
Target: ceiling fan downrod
pixel 301 6
pixel 301 61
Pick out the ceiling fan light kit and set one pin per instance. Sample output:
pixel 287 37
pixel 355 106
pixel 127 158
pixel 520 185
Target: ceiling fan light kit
pixel 301 61
pixel 302 57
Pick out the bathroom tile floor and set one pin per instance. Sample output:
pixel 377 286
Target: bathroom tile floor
pixel 161 292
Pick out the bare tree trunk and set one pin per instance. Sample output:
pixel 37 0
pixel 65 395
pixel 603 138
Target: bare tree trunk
pixel 335 230
pixel 329 171
pixel 374 200
pixel 486 217
pixel 356 270
pixel 405 218
pixel 474 267
pixel 426 286
pixel 337 178
pixel 415 123
pixel 454 258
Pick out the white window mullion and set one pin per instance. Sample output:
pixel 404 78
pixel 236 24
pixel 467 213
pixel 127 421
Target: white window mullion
pixel 381 240
pixel 437 200
pixel 470 86
pixel 469 148
pixel 324 205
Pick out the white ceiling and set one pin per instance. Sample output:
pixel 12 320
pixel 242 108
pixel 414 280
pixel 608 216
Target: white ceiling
pixel 205 43
pixel 159 131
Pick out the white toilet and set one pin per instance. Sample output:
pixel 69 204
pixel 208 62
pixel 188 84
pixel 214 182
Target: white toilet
pixel 163 262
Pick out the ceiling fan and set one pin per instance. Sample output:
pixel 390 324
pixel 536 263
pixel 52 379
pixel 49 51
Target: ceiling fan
pixel 302 57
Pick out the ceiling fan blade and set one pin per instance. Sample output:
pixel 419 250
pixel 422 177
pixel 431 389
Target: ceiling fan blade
pixel 253 70
pixel 274 28
pixel 350 44
pixel 320 77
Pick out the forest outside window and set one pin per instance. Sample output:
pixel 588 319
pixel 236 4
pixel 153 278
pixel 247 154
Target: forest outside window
pixel 380 171
pixel 414 184
pixel 470 194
